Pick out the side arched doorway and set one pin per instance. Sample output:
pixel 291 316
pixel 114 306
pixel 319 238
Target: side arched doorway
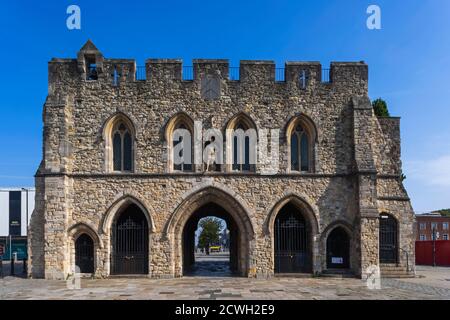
pixel 84 253
pixel 338 249
pixel 388 238
pixel 292 241
pixel 129 252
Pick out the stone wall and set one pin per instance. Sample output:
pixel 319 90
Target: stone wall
pixel 356 158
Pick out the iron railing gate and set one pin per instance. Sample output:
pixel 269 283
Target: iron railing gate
pixel 388 239
pixel 291 244
pixel 84 253
pixel 130 244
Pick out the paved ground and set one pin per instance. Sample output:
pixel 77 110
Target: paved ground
pixel 433 285
pixel 212 265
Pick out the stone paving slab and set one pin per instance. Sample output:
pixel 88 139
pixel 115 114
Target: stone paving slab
pixel 431 283
pixel 217 288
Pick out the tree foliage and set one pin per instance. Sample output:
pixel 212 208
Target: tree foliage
pixel 380 108
pixel 210 233
pixel 444 212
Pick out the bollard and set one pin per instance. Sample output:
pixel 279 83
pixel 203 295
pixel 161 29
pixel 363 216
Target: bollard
pixel 13 262
pixel 25 266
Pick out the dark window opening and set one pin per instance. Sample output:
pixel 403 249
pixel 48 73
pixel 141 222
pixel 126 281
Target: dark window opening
pixel 122 149
pixel 91 69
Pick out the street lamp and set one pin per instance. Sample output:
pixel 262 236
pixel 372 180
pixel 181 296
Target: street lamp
pixel 26 222
pixel 434 236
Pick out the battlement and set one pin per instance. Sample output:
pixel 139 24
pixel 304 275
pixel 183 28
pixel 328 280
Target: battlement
pixel 90 65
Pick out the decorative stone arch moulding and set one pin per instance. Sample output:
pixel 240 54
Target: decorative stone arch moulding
pixel 212 187
pixel 109 122
pixel 121 200
pixel 344 224
pixel 179 116
pixel 243 116
pixel 80 228
pixel 303 202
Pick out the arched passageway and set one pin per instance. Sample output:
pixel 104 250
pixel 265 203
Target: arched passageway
pixel 197 262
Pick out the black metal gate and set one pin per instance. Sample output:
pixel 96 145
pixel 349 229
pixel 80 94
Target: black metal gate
pixel 338 249
pixel 130 243
pixel 292 243
pixel 84 253
pixel 388 239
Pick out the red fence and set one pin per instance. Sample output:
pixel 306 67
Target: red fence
pixel 424 252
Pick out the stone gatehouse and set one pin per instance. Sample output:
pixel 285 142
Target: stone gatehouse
pixel 111 198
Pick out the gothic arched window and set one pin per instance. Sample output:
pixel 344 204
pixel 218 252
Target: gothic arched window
pixel 301 136
pixel 184 153
pixel 242 139
pixel 180 143
pixel 299 149
pixel 122 148
pixel 241 150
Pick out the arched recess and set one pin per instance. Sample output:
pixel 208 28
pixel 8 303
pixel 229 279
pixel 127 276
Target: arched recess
pixel 121 125
pixel 302 131
pixel 122 202
pixel 293 210
pixel 180 120
pixel 74 233
pixel 111 217
pixel 388 239
pixel 341 234
pixel 235 210
pixel 245 140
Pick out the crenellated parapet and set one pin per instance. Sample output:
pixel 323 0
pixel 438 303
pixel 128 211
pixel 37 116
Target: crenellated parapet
pixel 90 65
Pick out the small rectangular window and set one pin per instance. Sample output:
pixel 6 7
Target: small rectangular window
pixel 445 226
pixel 445 237
pixel 423 226
pixel 91 68
pixel 423 237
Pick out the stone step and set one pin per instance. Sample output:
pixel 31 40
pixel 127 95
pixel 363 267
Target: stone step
pixel 392 269
pixel 395 272
pixel 405 275
pixel 337 273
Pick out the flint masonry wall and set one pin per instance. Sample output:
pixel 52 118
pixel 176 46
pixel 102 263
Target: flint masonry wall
pixel 357 157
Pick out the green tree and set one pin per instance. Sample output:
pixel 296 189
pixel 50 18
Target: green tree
pixel 210 232
pixel 444 212
pixel 380 108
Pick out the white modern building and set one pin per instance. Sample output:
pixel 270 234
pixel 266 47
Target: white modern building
pixel 16 206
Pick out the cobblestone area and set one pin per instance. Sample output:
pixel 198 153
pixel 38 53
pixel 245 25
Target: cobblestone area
pixel 226 288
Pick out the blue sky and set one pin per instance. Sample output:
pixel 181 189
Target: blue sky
pixel 409 62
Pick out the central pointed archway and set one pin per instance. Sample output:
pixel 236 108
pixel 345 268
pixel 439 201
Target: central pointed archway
pixel 213 264
pixel 211 201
